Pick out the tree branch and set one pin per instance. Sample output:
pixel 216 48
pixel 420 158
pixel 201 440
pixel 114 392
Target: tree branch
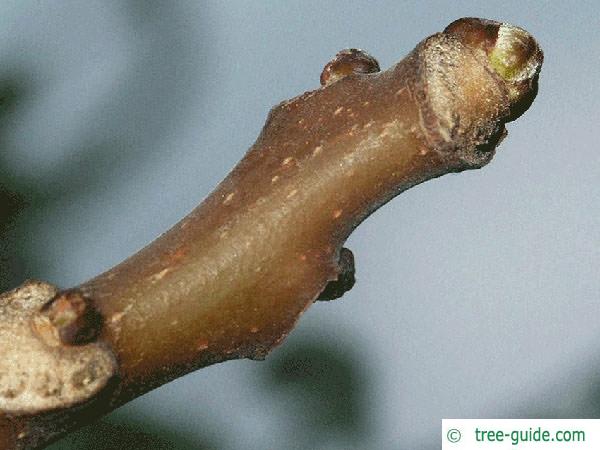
pixel 233 277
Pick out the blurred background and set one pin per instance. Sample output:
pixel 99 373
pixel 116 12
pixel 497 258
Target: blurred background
pixel 477 294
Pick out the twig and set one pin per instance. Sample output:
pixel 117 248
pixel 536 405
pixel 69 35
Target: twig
pixel 232 278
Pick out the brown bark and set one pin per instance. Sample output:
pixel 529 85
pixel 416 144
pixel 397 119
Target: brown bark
pixel 233 277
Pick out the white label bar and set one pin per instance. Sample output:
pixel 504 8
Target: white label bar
pixel 521 434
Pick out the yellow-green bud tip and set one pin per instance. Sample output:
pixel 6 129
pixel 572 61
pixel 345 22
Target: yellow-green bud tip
pixel 515 54
pixel 512 53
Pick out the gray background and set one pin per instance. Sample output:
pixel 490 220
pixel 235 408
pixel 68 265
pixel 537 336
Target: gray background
pixel 477 293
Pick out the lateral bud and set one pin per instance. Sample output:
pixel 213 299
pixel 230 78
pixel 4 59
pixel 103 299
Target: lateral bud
pixel 347 62
pixel 74 317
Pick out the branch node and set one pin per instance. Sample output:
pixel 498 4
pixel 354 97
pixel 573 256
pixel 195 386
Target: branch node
pixel 37 373
pixel 345 279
